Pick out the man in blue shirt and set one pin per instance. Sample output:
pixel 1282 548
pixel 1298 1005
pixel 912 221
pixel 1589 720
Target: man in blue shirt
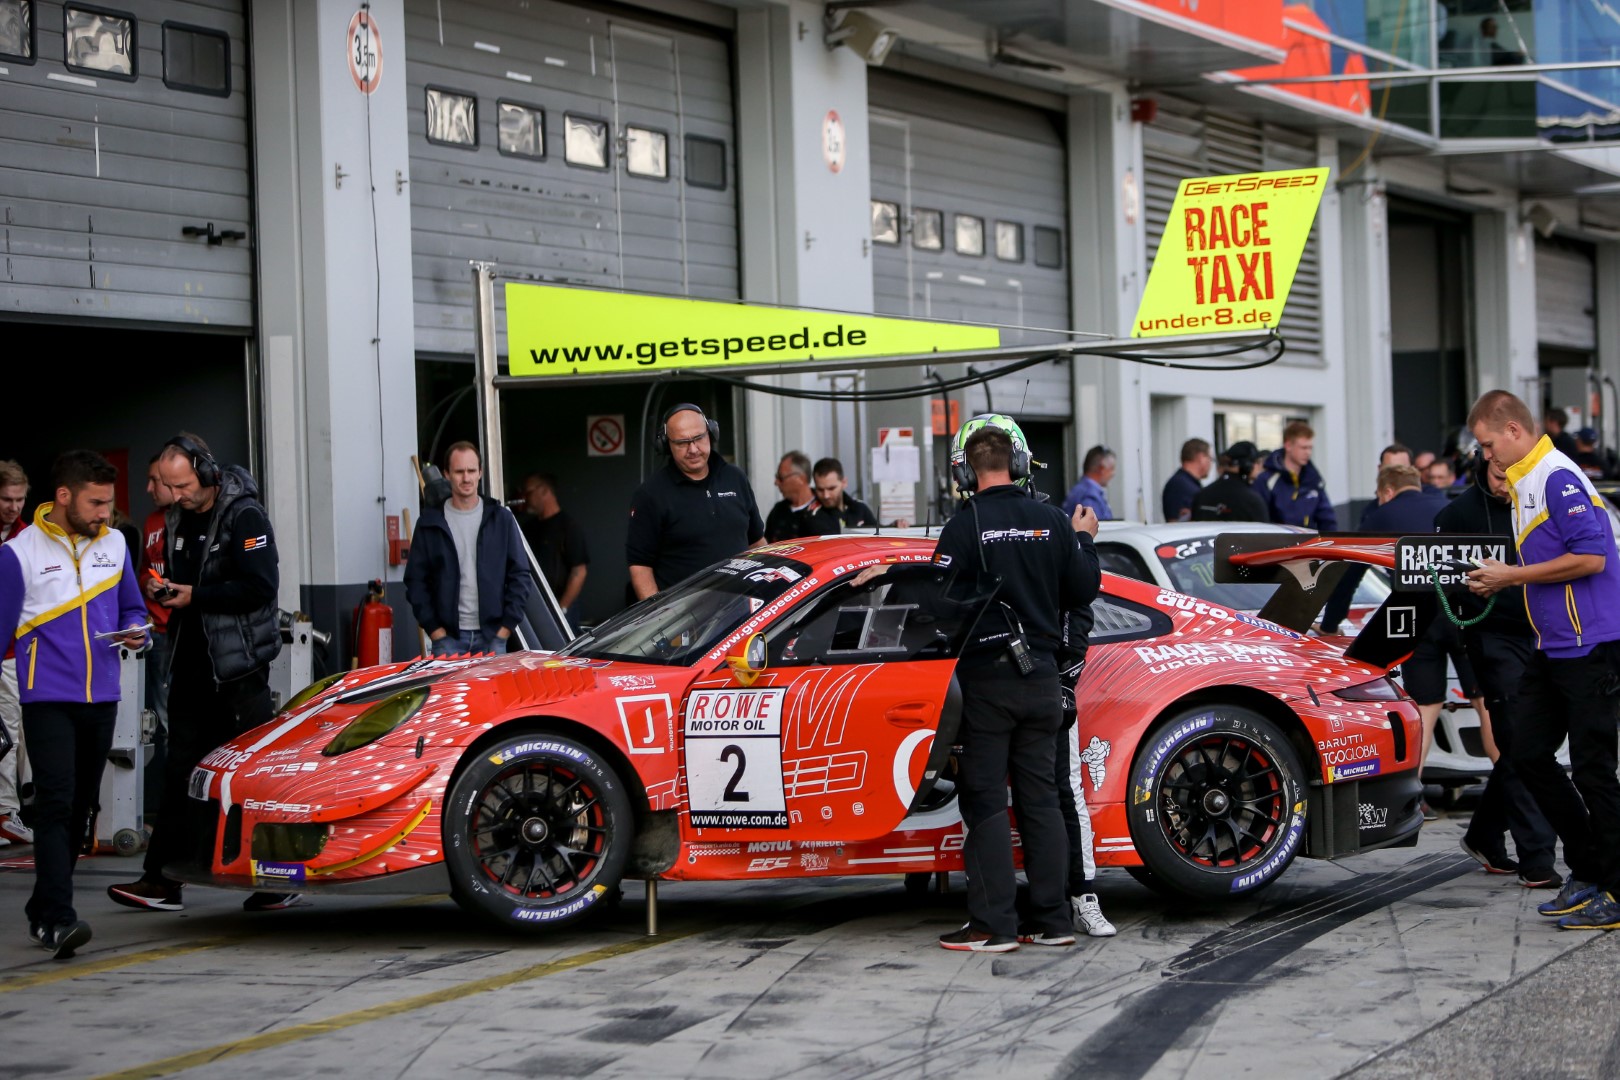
pixel 1092 490
pixel 1188 481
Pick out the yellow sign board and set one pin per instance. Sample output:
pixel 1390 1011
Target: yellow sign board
pixel 551 330
pixel 1229 252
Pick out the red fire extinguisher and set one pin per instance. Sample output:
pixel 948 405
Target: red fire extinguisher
pixel 373 629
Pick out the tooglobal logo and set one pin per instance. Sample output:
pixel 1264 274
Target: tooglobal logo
pixel 1182 602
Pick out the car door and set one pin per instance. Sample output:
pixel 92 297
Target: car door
pixel 838 734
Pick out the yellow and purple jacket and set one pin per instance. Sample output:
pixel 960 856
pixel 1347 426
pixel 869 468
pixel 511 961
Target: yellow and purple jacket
pixel 58 591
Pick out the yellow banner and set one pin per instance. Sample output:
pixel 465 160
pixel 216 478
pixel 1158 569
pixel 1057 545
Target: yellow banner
pixel 1229 252
pixel 557 331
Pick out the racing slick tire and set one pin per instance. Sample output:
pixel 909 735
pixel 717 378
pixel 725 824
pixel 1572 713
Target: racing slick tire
pixel 1217 804
pixel 537 829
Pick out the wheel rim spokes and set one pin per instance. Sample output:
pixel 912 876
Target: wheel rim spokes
pixel 539 830
pixel 1221 801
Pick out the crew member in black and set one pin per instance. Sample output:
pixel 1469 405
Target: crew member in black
pixel 1011 706
pixel 1232 498
pixel 835 499
pixel 1499 646
pixel 694 511
pixel 223 575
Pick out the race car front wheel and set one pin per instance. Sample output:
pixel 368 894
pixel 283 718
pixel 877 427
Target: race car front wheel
pixel 1217 806
pixel 536 832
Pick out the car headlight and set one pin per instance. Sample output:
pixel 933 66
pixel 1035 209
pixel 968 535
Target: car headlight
pixel 377 721
pixel 312 691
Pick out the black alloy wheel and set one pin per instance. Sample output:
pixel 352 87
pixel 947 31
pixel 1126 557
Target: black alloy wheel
pixel 537 830
pixel 1216 804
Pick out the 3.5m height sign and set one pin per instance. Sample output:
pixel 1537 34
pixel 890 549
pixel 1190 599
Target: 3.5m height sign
pixel 1229 252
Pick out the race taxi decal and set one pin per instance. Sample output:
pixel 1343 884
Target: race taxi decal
pixel 1175 655
pixel 734 758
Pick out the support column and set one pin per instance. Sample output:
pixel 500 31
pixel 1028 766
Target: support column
pixel 1505 306
pixel 336 321
pixel 805 227
pixel 1367 371
pixel 1608 337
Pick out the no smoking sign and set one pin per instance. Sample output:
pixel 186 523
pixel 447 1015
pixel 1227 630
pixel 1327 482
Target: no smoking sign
pixel 604 436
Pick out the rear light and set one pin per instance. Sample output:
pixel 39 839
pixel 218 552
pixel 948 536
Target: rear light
pixel 1380 689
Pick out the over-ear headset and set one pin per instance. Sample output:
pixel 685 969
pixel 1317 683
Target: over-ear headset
pixel 1019 466
pixel 661 436
pixel 202 462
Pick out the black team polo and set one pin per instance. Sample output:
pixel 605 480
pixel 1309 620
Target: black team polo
pixel 679 525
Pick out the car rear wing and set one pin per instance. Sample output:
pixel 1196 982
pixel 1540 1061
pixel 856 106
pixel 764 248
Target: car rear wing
pixel 1307 570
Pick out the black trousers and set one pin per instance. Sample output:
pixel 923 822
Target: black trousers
pixel 1009 731
pixel 67 746
pixel 1570 697
pixel 1499 661
pixel 201 716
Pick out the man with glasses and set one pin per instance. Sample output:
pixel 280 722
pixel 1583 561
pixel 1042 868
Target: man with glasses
pixel 796 513
pixel 694 511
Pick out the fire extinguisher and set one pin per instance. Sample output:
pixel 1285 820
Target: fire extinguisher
pixel 373 629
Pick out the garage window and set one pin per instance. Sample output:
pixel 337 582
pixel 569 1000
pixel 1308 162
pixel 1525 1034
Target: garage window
pixel 17 30
pixel 705 162
pixel 646 153
pixel 585 141
pixel 1009 241
pixel 1048 247
pixel 885 222
pixel 928 230
pixel 520 130
pixel 452 118
pixel 99 41
pixel 196 59
pixel 969 235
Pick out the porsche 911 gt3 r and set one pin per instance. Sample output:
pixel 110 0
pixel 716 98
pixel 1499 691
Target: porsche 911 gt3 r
pixel 770 717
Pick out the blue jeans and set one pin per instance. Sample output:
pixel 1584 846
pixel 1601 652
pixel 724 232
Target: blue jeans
pixel 466 641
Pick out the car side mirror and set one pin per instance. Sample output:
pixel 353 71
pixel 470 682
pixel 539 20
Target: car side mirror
pixel 750 663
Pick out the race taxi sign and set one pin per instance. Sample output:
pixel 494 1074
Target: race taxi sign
pixel 553 330
pixel 1229 252
pixel 1421 559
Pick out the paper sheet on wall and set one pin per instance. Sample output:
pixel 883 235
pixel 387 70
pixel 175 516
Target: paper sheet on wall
pixel 893 464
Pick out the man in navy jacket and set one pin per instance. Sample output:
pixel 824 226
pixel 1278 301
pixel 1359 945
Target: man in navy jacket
pixel 1292 487
pixel 467 578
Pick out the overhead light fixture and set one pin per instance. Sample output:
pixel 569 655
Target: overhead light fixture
pixel 864 35
pixel 1538 217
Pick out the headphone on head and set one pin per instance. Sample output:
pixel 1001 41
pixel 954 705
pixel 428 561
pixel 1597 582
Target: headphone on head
pixel 661 436
pixel 202 462
pixel 1019 465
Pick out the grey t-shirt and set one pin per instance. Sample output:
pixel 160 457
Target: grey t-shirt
pixel 464 531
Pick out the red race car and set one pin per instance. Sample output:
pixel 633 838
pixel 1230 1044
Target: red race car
pixel 772 717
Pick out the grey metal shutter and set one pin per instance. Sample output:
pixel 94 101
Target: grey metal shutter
pixel 1566 296
pixel 1189 140
pixel 938 149
pixel 100 174
pixel 543 219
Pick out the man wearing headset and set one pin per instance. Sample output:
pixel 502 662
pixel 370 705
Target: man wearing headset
pixel 694 511
pixel 1012 710
pixel 223 574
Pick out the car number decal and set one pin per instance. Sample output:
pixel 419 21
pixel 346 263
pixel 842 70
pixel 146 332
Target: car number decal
pixel 734 759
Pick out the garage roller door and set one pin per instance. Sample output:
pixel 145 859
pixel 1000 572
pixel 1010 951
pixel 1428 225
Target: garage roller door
pixel 568 145
pixel 968 215
pixel 1187 140
pixel 1566 297
pixel 123 128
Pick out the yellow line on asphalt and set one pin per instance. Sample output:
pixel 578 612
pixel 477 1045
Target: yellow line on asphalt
pixel 282 1036
pixel 111 963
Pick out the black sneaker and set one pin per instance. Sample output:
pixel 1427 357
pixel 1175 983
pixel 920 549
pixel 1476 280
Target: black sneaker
pixel 266 901
pixel 1540 879
pixel 148 895
pixel 64 940
pixel 36 932
pixel 1429 813
pixel 1494 862
pixel 968 939
pixel 1044 937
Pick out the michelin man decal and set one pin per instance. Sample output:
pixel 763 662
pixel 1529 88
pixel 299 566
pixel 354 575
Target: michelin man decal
pixel 1095 758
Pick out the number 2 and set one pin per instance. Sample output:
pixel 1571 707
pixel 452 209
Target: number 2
pixel 732 794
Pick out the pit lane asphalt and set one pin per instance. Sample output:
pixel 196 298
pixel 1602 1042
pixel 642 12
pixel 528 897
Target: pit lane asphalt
pixel 1395 964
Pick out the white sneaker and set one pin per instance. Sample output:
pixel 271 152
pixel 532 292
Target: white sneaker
pixel 1088 914
pixel 13 830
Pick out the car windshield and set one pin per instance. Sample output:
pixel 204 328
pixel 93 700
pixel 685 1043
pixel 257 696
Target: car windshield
pixel 682 623
pixel 1191 566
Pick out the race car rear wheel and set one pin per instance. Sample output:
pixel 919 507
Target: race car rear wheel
pixel 1217 806
pixel 536 832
